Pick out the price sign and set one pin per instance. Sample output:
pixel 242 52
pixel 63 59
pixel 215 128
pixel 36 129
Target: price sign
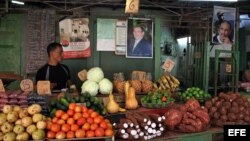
pixel 132 6
pixel 26 85
pixel 43 87
pixel 228 68
pixel 168 65
pixel 1 86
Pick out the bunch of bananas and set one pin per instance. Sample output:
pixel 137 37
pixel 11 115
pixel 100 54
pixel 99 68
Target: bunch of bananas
pixel 167 82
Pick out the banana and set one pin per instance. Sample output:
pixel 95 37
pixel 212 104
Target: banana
pixel 163 79
pixel 155 86
pixel 161 84
pixel 170 81
pixel 175 80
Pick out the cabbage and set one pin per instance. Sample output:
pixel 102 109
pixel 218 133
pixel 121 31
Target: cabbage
pixel 91 87
pixel 105 86
pixel 95 74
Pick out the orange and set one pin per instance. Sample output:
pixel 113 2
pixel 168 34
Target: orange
pixel 72 106
pixel 103 125
pixel 81 121
pixel 51 135
pixel 109 132
pixel 77 116
pixel 70 135
pixel 59 113
pixel 90 134
pixel 86 126
pixel 61 121
pixel 55 127
pixel 74 127
pixel 65 116
pixel 80 133
pixel 93 126
pixel 94 114
pixel 70 112
pixel 99 132
pixel 65 128
pixel 70 121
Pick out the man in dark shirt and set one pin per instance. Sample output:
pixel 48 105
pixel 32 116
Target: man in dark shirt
pixel 58 74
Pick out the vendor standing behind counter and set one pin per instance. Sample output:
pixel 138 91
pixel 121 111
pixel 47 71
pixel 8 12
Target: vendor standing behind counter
pixel 58 74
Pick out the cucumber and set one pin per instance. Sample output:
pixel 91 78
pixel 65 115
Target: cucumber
pixel 61 106
pixel 52 112
pixel 67 96
pixel 64 102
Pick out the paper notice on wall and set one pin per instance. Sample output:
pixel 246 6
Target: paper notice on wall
pixel 121 36
pixel 1 86
pixel 168 65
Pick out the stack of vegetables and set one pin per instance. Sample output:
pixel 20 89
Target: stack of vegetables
pixel 78 122
pixel 34 98
pixel 22 124
pixel 188 118
pixel 229 109
pixel 96 82
pixel 16 97
pixel 138 125
pixel 86 99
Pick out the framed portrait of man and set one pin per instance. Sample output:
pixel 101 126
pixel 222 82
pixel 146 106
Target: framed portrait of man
pixel 223 30
pixel 139 38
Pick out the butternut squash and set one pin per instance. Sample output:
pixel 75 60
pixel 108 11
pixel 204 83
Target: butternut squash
pixel 131 101
pixel 112 106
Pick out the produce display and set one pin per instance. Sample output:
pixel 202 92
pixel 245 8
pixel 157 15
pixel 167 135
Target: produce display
pixel 156 99
pixel 22 124
pixel 42 100
pixel 188 118
pixel 167 82
pixel 138 125
pixel 196 93
pixel 229 109
pixel 16 97
pixel 78 122
pixel 84 98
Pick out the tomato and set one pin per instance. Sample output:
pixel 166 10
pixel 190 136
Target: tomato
pixel 90 134
pixel 55 119
pixel 55 127
pixel 74 127
pixel 51 135
pixel 72 106
pixel 93 126
pixel 99 132
pixel 103 125
pixel 85 115
pixel 97 119
pixel 60 135
pixel 86 126
pixel 61 122
pixel 90 120
pixel 81 121
pixel 77 116
pixel 78 109
pixel 70 121
pixel 90 111
pixel 164 99
pixel 94 114
pixel 59 113
pixel 109 132
pixel 48 125
pixel 65 116
pixel 84 109
pixel 65 127
pixel 70 135
pixel 70 112
pixel 80 133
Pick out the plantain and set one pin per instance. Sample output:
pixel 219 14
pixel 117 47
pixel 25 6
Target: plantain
pixel 176 81
pixel 163 79
pixel 171 84
pixel 161 84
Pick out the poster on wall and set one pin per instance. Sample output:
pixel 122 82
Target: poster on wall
pixel 120 38
pixel 223 25
pixel 106 34
pixel 139 38
pixel 74 37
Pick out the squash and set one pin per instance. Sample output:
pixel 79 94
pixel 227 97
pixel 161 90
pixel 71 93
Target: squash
pixel 126 88
pixel 131 101
pixel 112 106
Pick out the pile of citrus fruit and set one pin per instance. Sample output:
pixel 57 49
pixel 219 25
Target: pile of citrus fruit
pixel 78 122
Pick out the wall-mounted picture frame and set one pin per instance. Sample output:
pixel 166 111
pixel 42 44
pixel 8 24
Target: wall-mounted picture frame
pixel 139 38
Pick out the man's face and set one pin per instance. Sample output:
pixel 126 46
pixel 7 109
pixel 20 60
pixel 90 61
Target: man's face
pixel 224 30
pixel 138 33
pixel 57 54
